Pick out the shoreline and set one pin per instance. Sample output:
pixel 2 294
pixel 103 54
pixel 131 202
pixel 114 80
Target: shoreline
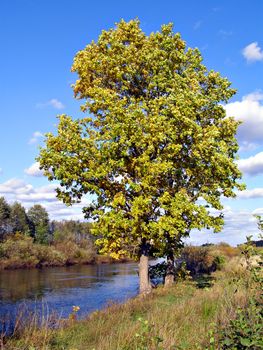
pixel 97 260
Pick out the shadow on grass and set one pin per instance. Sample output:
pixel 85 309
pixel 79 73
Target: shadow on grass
pixel 204 281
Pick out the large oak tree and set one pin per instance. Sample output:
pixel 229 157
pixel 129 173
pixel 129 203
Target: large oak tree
pixel 154 147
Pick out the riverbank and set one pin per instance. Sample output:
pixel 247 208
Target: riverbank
pixel 96 260
pixel 21 252
pixel 182 317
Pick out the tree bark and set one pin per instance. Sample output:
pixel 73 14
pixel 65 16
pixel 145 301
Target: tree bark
pixel 145 285
pixel 169 276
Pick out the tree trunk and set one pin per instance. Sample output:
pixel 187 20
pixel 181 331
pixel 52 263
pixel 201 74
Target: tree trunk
pixel 145 285
pixel 169 276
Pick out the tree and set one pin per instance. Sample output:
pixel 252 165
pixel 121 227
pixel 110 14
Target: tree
pixel 154 140
pixel 18 218
pixel 39 223
pixel 4 217
pixel 71 230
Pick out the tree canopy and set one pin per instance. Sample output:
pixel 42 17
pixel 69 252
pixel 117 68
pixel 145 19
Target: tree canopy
pixel 4 217
pixel 18 218
pixel 154 149
pixel 39 223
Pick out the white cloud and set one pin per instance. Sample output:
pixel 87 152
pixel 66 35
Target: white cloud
pixel 252 165
pixel 238 225
pixel 253 52
pixel 34 170
pixel 1 171
pixel 36 197
pixel 16 189
pixel 247 146
pixel 258 211
pixel 254 193
pixel 35 137
pixel 55 103
pixel 254 96
pixel 15 186
pixel 250 112
pixel 19 190
pixel 59 211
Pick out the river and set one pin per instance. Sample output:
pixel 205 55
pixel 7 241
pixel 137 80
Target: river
pixel 90 287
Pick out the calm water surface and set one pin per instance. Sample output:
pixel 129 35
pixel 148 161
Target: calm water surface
pixel 90 287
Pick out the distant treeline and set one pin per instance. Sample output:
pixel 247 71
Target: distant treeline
pixel 35 223
pixel 28 238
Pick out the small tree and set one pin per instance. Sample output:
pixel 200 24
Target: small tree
pixel 39 223
pixel 18 218
pixel 4 218
pixel 154 141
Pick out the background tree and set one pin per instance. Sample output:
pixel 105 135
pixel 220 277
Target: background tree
pixel 154 140
pixel 39 223
pixel 4 218
pixel 18 218
pixel 71 230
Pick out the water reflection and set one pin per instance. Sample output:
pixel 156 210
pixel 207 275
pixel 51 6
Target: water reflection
pixel 90 287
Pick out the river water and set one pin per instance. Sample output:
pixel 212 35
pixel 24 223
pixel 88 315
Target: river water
pixel 90 287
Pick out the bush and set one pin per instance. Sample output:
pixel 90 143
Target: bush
pixel 49 256
pixel 219 261
pixel 198 260
pixel 225 250
pixel 20 251
pixel 245 331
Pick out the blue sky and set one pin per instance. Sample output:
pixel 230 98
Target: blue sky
pixel 39 40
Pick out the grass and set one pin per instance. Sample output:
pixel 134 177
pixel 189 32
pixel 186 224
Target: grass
pixel 177 318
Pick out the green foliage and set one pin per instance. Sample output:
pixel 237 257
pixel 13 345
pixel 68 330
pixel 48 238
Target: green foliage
pixel 159 270
pixel 18 218
pixel 42 234
pixel 146 338
pixel 157 138
pixel 192 260
pixel 219 262
pixel 39 223
pixel 25 235
pixel 4 217
pixel 260 223
pixel 245 331
pixel 76 231
pixel 20 251
pixel 201 260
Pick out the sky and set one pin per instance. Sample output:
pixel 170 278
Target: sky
pixel 38 41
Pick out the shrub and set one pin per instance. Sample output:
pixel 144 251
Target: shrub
pixel 245 331
pixel 75 254
pixel 225 250
pixel 198 260
pixel 20 251
pixel 219 261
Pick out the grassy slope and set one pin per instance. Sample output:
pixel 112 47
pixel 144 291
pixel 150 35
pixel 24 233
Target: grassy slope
pixel 182 316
